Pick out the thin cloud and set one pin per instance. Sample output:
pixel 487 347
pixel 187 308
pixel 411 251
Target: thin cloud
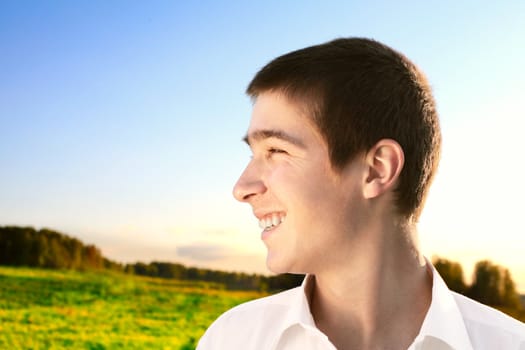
pixel 204 252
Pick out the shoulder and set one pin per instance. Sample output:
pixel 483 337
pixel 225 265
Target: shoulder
pixel 487 325
pixel 253 322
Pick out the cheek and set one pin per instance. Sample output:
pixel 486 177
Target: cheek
pixel 282 181
pixel 307 188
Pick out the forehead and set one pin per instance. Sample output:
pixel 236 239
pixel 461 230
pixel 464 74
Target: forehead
pixel 274 111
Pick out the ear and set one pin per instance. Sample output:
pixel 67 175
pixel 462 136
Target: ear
pixel 384 162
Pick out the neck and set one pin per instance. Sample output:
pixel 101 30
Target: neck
pixel 376 295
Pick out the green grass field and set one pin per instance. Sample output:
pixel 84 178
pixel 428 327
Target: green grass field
pixel 55 309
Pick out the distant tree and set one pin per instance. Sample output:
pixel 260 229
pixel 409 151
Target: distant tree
pixel 129 268
pixel 41 251
pixel 485 286
pixel 143 269
pixel 92 257
pixel 170 270
pixel 74 248
pixel 511 297
pixel 15 245
pixel 112 265
pixel 59 259
pixel 493 285
pixel 452 274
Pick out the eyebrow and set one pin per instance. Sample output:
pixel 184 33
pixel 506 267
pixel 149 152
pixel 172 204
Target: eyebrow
pixel 260 135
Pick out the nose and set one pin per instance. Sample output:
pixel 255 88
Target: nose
pixel 249 184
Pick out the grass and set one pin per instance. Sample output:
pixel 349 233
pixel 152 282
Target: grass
pixel 56 309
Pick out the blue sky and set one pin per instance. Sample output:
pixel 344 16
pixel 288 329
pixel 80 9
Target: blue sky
pixel 121 121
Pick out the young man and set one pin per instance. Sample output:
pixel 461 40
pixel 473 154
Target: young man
pixel 345 140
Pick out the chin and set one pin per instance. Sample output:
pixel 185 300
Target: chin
pixel 282 266
pixel 276 269
pixel 276 266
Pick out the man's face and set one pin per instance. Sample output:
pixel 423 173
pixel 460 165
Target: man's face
pixel 306 210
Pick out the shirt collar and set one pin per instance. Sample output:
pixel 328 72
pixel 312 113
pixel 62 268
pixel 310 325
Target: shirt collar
pixel 298 312
pixel 443 323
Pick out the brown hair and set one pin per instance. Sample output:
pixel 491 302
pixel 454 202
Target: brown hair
pixel 359 91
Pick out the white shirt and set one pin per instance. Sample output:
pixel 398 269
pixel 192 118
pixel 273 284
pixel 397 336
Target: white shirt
pixel 284 321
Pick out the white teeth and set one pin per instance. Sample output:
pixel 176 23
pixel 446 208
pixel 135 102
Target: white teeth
pixel 271 220
pixel 275 219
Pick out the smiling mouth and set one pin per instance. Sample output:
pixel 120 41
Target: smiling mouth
pixel 271 220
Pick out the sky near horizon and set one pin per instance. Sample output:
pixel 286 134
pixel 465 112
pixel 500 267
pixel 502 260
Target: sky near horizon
pixel 121 121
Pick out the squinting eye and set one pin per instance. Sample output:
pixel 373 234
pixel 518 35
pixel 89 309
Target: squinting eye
pixel 275 150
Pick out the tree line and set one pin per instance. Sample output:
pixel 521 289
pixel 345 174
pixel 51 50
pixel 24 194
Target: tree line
pixel 46 248
pixel 230 280
pixel 25 246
